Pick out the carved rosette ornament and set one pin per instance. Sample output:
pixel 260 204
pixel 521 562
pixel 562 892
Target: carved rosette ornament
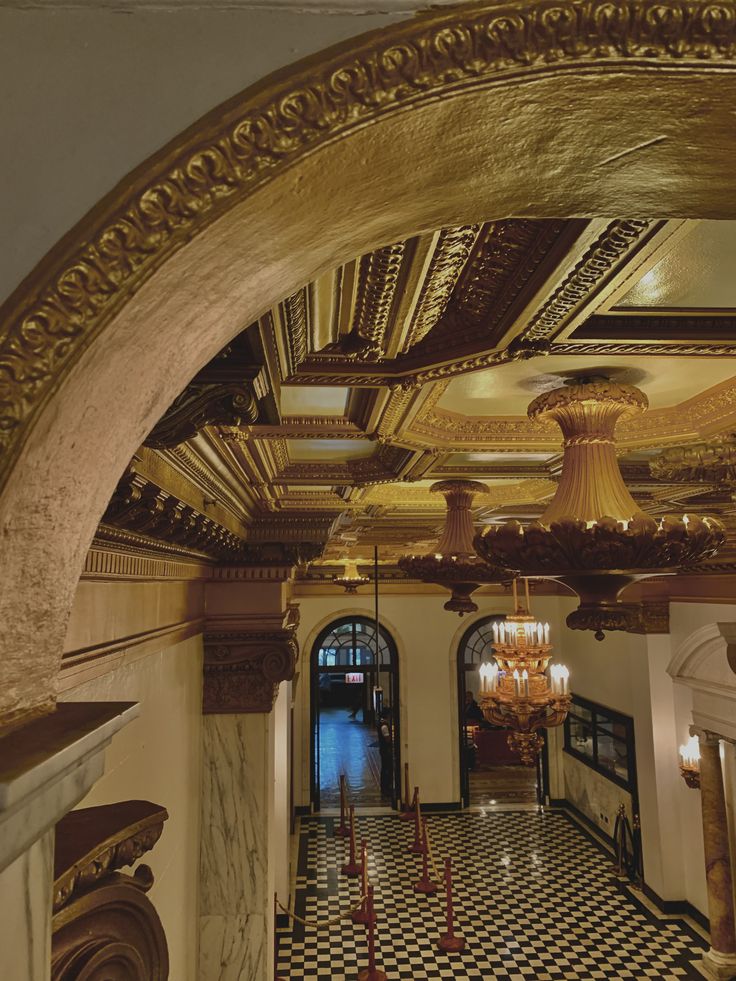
pixel 593 537
pixel 243 668
pixel 455 564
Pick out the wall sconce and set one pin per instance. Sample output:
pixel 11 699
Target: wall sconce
pixel 690 762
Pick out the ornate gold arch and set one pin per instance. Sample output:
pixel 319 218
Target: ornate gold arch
pixel 242 145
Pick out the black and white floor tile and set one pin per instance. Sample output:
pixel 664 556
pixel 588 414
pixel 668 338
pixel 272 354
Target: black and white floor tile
pixel 535 898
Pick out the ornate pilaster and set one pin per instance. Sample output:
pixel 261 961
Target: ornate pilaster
pixel 245 662
pixel 719 962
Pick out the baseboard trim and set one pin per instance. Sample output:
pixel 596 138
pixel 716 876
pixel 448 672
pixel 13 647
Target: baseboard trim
pixel 283 920
pixel 672 907
pixel 301 810
pixel 677 907
pixel 454 805
pixel 589 824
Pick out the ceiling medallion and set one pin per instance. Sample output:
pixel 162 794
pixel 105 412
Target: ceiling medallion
pixel 516 690
pixel 351 577
pixel 455 565
pixel 592 536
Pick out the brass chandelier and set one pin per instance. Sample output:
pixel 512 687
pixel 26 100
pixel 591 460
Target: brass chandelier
pixel 592 536
pixel 455 564
pixel 519 690
pixel 351 579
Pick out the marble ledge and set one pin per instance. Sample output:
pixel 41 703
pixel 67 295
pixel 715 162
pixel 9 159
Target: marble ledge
pixel 48 765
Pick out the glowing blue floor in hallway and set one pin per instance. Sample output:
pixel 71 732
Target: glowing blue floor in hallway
pixel 536 899
pixel 347 746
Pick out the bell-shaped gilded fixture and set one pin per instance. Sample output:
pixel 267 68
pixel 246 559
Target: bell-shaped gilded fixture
pixel 351 577
pixel 592 536
pixel 455 564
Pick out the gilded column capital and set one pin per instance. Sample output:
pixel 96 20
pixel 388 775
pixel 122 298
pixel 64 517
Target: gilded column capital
pixel 244 663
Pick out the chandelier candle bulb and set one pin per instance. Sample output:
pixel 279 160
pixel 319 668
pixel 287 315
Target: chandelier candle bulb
pixel 495 633
pixel 525 681
pixel 517 683
pixel 546 633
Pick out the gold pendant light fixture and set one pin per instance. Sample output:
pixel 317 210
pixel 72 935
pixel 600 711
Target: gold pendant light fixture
pixel 592 536
pixel 455 564
pixel 351 578
pixel 519 690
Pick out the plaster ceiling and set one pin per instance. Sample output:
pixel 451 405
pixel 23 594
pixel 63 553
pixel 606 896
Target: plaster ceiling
pixel 417 362
pixel 508 389
pixel 697 273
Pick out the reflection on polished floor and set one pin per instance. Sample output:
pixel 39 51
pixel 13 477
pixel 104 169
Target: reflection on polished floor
pixel 348 746
pixel 535 895
pixel 490 785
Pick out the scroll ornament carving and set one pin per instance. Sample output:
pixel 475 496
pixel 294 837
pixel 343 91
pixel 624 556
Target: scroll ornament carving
pixel 204 404
pixel 104 925
pixel 224 393
pixel 46 324
pixel 242 670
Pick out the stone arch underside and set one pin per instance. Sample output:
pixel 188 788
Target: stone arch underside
pixel 577 108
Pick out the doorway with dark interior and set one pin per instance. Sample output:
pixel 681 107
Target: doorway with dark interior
pixel 355 714
pixel 490 773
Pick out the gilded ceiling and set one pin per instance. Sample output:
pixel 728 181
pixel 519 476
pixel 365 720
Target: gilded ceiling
pixel 416 363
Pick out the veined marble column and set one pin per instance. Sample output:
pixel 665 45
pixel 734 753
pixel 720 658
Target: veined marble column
pixel 719 962
pixel 250 648
pixel 237 871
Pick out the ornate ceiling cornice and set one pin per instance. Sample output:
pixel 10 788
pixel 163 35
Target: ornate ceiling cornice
pixel 450 255
pixel 597 265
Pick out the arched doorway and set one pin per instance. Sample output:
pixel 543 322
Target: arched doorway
pixel 352 689
pixel 490 773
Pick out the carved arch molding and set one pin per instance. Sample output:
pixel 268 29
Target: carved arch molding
pixel 242 145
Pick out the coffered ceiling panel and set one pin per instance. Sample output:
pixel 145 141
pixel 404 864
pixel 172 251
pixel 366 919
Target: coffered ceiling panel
pixel 330 449
pixel 311 400
pixel 698 273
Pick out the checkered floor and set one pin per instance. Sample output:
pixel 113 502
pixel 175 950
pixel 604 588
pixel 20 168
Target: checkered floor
pixel 535 898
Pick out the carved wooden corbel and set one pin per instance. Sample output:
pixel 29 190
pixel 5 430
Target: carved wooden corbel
pixel 104 925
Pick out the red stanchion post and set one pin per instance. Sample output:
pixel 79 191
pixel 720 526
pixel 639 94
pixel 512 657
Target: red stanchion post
pixel 417 846
pixel 407 813
pixel 361 915
pixel 342 830
pixel 450 942
pixel 352 867
pixel 425 884
pixel 371 973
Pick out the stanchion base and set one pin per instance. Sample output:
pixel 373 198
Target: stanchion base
pixel 426 886
pixel 451 943
pixel 342 831
pixel 416 849
pixel 406 815
pixel 360 916
pixel 352 870
pixel 375 975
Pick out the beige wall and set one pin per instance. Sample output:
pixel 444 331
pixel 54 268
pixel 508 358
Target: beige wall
pixel 95 92
pixel 141 641
pixel 157 758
